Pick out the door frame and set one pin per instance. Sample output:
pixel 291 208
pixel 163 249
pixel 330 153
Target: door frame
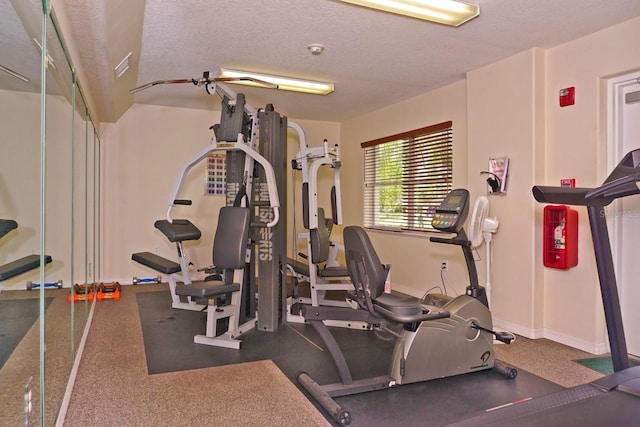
pixel 615 151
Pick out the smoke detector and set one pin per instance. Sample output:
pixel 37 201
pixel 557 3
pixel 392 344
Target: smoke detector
pixel 316 48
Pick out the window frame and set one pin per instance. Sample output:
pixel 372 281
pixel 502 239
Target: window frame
pixel 420 176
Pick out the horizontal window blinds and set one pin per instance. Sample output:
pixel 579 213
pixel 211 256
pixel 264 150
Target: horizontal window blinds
pixel 406 176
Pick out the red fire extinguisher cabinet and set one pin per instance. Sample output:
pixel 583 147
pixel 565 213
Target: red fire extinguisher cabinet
pixel 560 241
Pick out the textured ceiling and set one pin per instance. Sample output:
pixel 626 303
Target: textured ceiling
pixel 374 59
pixel 17 52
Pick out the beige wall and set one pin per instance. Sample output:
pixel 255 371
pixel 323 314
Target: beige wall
pixel 20 185
pixel 20 179
pixel 415 261
pixel 511 108
pixel 576 147
pixel 143 154
pixel 505 119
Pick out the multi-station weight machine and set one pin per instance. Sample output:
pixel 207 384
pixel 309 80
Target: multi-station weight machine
pixel 254 141
pixel 320 270
pixel 253 137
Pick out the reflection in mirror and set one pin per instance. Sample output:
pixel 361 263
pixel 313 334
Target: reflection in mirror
pixel 62 196
pixel 65 189
pixel 19 202
pixel 82 138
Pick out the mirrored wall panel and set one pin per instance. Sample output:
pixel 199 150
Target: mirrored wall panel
pixel 49 214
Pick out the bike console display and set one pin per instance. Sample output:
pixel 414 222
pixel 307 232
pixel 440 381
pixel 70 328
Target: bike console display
pixel 452 212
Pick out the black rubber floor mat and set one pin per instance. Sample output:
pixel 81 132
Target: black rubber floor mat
pixel 16 318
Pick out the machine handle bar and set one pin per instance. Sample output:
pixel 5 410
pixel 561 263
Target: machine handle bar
pixel 182 202
pixel 624 186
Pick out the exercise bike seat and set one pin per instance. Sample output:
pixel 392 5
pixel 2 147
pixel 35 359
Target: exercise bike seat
pixel 401 305
pixel 369 275
pixel 179 230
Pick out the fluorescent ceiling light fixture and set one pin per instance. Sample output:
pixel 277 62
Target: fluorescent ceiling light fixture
pixel 14 74
pixel 448 12
pixel 123 66
pixel 283 83
pixel 49 58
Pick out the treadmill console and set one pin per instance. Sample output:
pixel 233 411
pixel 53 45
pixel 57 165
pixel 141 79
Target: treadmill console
pixel 452 212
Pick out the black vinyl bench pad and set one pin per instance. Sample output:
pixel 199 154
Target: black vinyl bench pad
pixel 302 268
pixel 156 262
pixel 333 272
pixel 179 230
pixel 299 267
pixel 207 289
pixel 22 265
pixel 6 225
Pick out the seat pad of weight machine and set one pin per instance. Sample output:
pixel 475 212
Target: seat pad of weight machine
pixel 333 272
pixel 208 289
pixel 6 225
pixel 179 230
pixel 302 268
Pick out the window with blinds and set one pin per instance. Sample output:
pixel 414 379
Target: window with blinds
pixel 406 176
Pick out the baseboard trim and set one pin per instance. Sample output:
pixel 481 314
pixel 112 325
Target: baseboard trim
pixel 589 347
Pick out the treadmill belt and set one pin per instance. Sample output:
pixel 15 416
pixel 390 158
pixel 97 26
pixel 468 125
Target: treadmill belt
pixel 582 406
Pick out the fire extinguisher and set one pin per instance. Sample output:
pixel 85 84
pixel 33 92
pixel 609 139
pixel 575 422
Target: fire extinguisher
pixel 559 235
pixel 560 243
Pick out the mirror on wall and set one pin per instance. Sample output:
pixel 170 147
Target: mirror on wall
pixel 62 318
pixel 49 204
pixel 83 215
pixel 20 102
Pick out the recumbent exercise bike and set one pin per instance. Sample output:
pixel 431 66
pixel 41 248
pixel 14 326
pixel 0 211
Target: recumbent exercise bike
pixel 441 336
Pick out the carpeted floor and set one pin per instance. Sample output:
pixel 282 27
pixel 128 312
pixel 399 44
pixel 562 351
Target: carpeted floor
pixel 24 361
pixel 114 387
pixel 168 337
pixel 116 373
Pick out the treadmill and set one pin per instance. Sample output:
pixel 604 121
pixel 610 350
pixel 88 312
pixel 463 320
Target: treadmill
pixel 613 400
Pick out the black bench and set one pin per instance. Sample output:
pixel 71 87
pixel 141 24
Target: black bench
pixel 156 262
pixel 22 265
pixel 6 225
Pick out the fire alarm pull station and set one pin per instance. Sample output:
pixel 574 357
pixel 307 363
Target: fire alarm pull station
pixel 568 182
pixel 567 96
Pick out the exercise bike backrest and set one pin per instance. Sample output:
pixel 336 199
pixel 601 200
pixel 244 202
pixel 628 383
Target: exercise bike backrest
pixel 367 273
